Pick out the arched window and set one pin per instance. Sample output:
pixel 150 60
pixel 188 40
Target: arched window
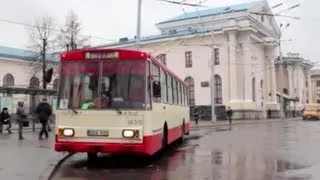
pixel 55 84
pixel 8 80
pixel 190 81
pixel 253 89
pixel 218 89
pixel 34 82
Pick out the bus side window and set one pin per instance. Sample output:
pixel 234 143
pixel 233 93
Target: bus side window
pixel 156 92
pixel 163 79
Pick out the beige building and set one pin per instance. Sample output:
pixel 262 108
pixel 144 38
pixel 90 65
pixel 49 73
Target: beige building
pixel 18 69
pixel 294 81
pixel 244 60
pixel 315 84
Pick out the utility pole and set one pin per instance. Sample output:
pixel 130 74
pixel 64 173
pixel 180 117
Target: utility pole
pixel 282 113
pixel 44 45
pixel 138 37
pixel 213 110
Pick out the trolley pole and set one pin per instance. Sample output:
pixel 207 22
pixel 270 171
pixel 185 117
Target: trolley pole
pixel 282 113
pixel 138 37
pixel 213 110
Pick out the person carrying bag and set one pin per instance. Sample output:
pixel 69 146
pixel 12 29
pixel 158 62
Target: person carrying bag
pixel 21 118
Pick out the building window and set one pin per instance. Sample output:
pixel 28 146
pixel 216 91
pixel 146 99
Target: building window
pixel 218 89
pixel 188 59
pixel 318 83
pixel 191 95
pixel 306 83
pixel 318 101
pixel 254 89
pixel 8 80
pixel 162 58
pixel 216 56
pixel 34 82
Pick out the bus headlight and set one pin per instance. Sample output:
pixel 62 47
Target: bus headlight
pixel 129 133
pixel 68 132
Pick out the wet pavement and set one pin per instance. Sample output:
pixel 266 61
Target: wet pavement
pixel 281 151
pixel 25 160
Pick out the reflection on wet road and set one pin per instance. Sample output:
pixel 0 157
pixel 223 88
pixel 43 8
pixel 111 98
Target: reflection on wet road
pixel 285 150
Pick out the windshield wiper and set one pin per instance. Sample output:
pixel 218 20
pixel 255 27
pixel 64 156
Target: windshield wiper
pixel 74 110
pixel 119 111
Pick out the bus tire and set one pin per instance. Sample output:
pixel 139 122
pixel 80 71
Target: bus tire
pixel 92 156
pixel 183 131
pixel 165 136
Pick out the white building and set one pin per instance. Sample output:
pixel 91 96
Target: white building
pixel 295 83
pixel 315 86
pixel 17 69
pixel 244 62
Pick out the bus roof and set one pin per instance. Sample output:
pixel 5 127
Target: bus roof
pixel 120 54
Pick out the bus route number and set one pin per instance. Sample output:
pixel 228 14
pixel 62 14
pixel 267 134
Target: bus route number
pixel 134 122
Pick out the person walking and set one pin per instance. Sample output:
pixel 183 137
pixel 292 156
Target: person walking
pixel 5 119
pixel 21 118
pixel 44 111
pixel 229 114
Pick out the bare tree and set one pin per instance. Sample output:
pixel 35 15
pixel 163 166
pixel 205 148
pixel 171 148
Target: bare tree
pixel 70 36
pixel 42 41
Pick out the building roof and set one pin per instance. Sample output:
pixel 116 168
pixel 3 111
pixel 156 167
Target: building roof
pixel 15 53
pixel 159 37
pixel 213 11
pixel 191 31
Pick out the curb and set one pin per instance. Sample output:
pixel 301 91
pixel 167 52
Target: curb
pixel 243 123
pixel 54 166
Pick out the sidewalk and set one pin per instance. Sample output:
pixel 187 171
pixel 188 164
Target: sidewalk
pixel 203 123
pixel 15 127
pixel 27 159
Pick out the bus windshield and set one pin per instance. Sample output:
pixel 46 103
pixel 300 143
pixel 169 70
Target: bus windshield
pixel 107 85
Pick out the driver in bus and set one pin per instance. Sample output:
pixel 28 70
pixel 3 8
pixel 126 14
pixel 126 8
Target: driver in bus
pixel 103 101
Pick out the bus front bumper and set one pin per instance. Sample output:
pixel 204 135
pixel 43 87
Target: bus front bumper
pixel 148 147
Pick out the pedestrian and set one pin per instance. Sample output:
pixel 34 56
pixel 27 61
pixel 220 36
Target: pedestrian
pixel 5 119
pixel 269 113
pixel 196 114
pixel 229 114
pixel 44 111
pixel 21 118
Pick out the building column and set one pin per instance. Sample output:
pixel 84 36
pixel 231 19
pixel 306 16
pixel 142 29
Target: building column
pixel 247 77
pixel 290 80
pixel 309 87
pixel 233 67
pixel 267 85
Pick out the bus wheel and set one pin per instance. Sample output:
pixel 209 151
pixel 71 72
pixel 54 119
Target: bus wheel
pixel 165 137
pixel 92 156
pixel 183 132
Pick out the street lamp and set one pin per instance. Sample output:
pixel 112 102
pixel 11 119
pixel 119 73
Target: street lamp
pixel 282 113
pixel 138 38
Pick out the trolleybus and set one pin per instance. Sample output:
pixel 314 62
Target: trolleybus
pixel 118 101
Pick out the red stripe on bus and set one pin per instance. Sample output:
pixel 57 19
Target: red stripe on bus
pixel 150 145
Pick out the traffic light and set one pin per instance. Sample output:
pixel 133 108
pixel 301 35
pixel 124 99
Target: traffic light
pixel 48 75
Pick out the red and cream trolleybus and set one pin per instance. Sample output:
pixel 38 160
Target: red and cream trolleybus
pixel 118 101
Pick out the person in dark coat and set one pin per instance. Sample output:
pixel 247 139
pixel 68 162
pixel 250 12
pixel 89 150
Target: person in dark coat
pixel 5 119
pixel 44 111
pixel 21 118
pixel 229 114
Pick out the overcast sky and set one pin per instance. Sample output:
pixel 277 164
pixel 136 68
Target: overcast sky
pixel 113 19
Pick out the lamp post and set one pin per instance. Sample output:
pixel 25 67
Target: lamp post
pixel 282 113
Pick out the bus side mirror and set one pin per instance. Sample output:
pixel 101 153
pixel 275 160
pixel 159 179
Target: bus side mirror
pixel 156 89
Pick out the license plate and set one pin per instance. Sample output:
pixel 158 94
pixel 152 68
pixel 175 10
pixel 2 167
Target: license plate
pixel 98 132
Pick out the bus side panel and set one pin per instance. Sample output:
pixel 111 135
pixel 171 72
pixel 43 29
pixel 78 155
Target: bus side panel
pixel 175 117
